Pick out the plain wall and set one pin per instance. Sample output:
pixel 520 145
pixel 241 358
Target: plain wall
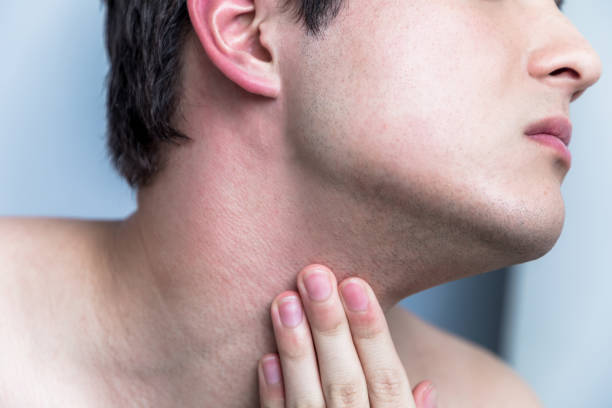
pixel 52 116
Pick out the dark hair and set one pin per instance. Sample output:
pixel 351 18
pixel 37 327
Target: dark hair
pixel 144 41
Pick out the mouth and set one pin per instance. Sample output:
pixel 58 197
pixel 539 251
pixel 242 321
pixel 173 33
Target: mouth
pixel 555 132
pixel 557 126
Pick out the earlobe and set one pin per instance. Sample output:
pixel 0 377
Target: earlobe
pixel 230 32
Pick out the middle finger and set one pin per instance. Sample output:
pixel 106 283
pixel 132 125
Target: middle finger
pixel 342 378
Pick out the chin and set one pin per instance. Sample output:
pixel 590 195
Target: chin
pixel 526 231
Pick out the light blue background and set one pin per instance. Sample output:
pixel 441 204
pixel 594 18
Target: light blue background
pixel 52 117
pixel 555 329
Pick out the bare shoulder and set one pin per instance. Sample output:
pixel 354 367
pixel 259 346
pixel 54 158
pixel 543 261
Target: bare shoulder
pixel 47 281
pixel 45 262
pixel 465 374
pixel 38 254
pixel 32 244
pixel 43 234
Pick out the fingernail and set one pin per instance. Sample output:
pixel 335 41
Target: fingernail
pixel 290 311
pixel 317 285
pixel 271 370
pixel 354 296
pixel 431 400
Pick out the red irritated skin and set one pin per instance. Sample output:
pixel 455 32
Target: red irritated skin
pixel 334 349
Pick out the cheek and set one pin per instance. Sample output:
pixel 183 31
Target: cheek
pixel 431 94
pixel 423 107
pixel 410 84
pixel 386 103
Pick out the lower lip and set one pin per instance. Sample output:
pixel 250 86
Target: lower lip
pixel 555 143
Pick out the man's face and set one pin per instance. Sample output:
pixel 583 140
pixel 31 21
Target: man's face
pixel 428 100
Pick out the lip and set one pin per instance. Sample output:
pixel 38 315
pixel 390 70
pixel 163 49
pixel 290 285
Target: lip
pixel 555 132
pixel 558 126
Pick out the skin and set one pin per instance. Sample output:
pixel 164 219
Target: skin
pixel 355 362
pixel 391 149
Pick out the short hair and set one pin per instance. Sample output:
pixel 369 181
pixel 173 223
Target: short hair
pixel 144 42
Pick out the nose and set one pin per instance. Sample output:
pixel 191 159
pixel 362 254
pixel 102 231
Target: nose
pixel 565 60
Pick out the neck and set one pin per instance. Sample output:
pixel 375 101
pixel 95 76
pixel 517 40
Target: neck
pixel 219 236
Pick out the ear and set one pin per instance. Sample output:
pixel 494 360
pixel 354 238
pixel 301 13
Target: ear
pixel 233 35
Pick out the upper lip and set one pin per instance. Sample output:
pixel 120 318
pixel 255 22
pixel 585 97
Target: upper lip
pixel 558 126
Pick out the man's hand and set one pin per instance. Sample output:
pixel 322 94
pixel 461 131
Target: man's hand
pixel 343 330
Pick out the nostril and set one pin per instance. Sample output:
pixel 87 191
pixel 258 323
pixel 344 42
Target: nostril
pixel 560 71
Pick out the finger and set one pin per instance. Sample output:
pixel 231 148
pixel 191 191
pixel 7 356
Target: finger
pixel 270 382
pixel 387 381
pixel 342 377
pixel 296 351
pixel 425 395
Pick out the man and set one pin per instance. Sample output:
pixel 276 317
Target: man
pixel 386 140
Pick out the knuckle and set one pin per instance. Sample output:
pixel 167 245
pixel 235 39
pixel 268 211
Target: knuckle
pixel 324 318
pixel 344 395
pixel 293 354
pixel 271 404
pixel 333 329
pixel 386 385
pixel 295 348
pixel 306 403
pixel 369 328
